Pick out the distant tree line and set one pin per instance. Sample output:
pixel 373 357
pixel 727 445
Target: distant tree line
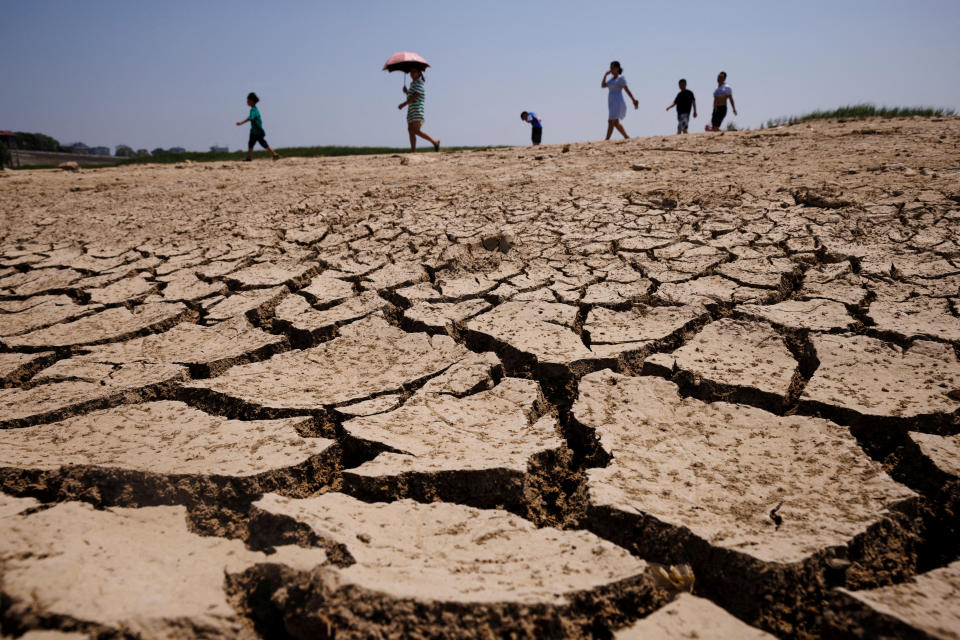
pixel 41 142
pixel 38 142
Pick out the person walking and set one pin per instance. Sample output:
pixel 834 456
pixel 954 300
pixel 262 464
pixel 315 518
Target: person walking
pixel 414 104
pixel 536 125
pixel 257 134
pixel 684 100
pixel 616 106
pixel 720 96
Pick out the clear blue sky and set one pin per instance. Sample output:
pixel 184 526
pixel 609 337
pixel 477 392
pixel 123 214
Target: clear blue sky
pixel 176 73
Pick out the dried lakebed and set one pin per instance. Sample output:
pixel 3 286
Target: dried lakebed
pixel 508 392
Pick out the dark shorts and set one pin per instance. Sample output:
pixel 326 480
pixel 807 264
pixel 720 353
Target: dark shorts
pixel 683 121
pixel 254 138
pixel 537 135
pixel 719 113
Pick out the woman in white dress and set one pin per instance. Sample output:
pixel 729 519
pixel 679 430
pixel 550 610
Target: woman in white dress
pixel 616 105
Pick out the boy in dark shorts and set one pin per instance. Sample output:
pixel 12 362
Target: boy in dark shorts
pixel 683 102
pixel 536 135
pixel 257 134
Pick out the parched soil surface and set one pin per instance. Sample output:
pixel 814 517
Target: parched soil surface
pixel 704 387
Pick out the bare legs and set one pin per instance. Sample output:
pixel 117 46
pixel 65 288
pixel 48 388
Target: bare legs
pixel 615 124
pixel 267 147
pixel 413 128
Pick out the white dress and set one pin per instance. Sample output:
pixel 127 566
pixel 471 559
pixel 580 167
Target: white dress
pixel 616 105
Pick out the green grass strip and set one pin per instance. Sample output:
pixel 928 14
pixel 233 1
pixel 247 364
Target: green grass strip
pixel 865 110
pixel 288 152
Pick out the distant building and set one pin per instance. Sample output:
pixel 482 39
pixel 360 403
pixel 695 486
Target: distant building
pixel 78 147
pixel 99 151
pixel 216 149
pixel 177 150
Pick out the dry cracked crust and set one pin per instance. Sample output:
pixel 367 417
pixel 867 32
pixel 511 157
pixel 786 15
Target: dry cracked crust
pixel 509 393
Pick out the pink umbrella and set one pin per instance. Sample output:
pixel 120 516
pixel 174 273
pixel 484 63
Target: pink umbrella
pixel 405 61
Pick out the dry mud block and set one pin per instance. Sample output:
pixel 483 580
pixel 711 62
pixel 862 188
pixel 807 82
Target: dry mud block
pixel 681 261
pixel 77 258
pixel 308 235
pixel 15 257
pixel 10 506
pixel 916 317
pixel 35 281
pixel 294 314
pixel 109 325
pixel 534 333
pixel 482 449
pixel 219 268
pixel 942 451
pixel 55 635
pixel 639 329
pixel 444 316
pixel 924 607
pixel 756 503
pixel 207 350
pixel 693 618
pixel 74 386
pixel 257 304
pixel 122 290
pixel 814 315
pixel 38 312
pixel 770 273
pixel 617 293
pixel 922 265
pixel 709 291
pixel 835 282
pixel 325 290
pixel 395 275
pixel 163 452
pixel 748 359
pixel 370 358
pixel 135 572
pixel 471 374
pixel 15 367
pixel 449 570
pixel 474 286
pixel 185 286
pixel 864 380
pixel 420 292
pixel 273 274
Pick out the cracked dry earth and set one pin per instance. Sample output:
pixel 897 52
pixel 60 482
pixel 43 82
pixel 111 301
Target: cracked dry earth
pixel 702 387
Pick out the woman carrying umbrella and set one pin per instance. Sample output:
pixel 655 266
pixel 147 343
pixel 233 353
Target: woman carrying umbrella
pixel 411 63
pixel 414 104
pixel 616 106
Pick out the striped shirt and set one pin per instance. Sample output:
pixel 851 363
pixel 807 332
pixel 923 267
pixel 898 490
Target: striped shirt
pixel 415 108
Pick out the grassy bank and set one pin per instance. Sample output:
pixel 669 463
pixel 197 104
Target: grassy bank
pixel 860 111
pixel 287 152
